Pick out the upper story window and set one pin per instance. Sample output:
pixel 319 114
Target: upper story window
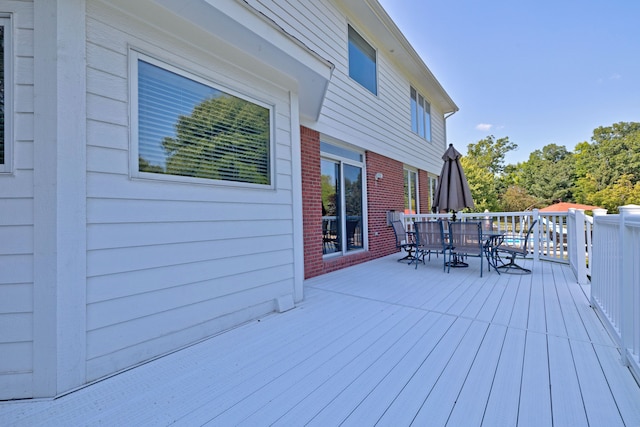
pixel 187 129
pixel 6 85
pixel 420 115
pixel 362 61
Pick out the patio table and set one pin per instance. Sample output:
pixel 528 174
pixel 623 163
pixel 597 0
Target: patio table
pixel 491 241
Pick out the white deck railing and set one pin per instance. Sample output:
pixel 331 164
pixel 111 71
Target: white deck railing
pixel 615 280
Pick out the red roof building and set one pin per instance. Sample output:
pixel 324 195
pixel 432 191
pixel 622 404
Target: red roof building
pixel 564 207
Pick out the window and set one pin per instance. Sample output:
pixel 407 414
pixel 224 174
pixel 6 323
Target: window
pixel 189 129
pixel 343 227
pixel 410 192
pixel 420 115
pixel 362 62
pixel 6 99
pixel 433 187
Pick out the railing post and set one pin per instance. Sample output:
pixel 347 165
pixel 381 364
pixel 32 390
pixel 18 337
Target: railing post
pixel 536 234
pixel 592 256
pixel 571 236
pixel 626 266
pixel 581 248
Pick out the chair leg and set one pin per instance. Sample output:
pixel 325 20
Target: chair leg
pixel 448 264
pixel 511 265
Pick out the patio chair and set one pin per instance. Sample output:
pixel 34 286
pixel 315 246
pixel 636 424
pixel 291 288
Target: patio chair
pixel 513 247
pixel 404 240
pixel 466 241
pixel 430 238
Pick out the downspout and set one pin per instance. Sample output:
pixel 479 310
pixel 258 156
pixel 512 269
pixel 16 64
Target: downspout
pixel 446 116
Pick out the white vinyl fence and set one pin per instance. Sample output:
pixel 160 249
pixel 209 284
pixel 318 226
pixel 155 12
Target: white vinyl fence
pixel 615 279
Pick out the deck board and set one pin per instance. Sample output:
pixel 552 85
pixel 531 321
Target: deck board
pixel 502 405
pixel 568 407
pixel 535 399
pixel 471 402
pixel 382 343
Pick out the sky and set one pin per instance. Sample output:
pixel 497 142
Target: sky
pixel 536 71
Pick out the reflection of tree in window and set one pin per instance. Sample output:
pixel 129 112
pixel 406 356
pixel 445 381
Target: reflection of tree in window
pixel 328 186
pixel 224 138
pixel 353 192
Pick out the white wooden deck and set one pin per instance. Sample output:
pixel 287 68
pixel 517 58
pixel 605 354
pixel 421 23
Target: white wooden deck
pixel 382 343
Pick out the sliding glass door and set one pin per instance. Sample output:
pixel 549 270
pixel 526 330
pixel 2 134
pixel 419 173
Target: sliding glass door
pixel 343 226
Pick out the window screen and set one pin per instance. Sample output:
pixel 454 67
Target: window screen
pixel 188 128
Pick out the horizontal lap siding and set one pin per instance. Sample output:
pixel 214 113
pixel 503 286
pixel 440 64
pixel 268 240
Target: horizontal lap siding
pixel 170 263
pixel 380 124
pixel 16 220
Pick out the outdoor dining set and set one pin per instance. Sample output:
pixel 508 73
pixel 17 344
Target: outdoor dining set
pixel 458 240
pixel 455 239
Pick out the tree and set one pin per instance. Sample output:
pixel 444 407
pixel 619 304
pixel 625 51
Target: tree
pixel 224 138
pixel 623 192
pixel 614 153
pixel 517 199
pixel 484 165
pixel 548 175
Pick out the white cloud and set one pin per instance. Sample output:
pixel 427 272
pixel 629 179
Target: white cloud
pixel 485 127
pixel 615 76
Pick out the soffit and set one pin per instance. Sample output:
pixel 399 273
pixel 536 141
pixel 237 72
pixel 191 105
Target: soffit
pixel 251 32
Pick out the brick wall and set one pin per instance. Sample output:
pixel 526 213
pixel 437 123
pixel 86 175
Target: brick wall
pixel 382 195
pixel 311 201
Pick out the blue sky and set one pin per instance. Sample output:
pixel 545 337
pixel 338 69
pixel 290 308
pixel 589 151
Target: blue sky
pixel 538 72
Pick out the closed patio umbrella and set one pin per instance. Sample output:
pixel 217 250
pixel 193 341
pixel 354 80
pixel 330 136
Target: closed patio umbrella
pixel 453 193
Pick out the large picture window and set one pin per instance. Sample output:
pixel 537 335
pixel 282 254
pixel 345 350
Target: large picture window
pixel 362 62
pixel 6 85
pixel 189 128
pixel 420 115
pixel 343 226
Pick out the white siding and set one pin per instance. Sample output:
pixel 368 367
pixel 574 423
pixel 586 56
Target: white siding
pixel 170 263
pixel 351 113
pixel 16 220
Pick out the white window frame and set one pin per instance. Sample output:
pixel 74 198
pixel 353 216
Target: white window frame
pixel 343 221
pixel 7 166
pixel 433 185
pixel 410 171
pixel 420 114
pixel 374 90
pixel 135 173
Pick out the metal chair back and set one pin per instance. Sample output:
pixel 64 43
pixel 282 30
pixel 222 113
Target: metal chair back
pixel 466 240
pixel 430 238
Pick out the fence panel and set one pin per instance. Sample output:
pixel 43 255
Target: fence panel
pixel 605 291
pixel 553 236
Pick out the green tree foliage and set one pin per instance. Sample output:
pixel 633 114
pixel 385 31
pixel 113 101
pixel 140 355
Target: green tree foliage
pixel 623 192
pixel 224 138
pixel 517 199
pixel 608 169
pixel 605 172
pixel 483 166
pixel 548 175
